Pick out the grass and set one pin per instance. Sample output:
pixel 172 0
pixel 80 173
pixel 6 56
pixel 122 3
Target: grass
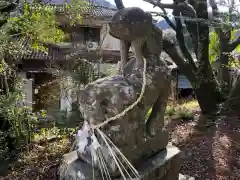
pixel 193 104
pixel 48 152
pixel 185 114
pixel 170 110
pixel 50 133
pixel 45 150
pixel 38 161
pixel 184 110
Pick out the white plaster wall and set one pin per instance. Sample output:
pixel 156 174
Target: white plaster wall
pixel 66 95
pixel 108 42
pixel 27 90
pixel 65 100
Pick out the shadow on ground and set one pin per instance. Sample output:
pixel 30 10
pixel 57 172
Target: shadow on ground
pixel 210 147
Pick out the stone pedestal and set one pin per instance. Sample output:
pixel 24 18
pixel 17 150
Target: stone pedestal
pixel 164 165
pixel 185 177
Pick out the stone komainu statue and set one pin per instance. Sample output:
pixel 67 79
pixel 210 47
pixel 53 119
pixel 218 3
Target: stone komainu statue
pixel 137 138
pixel 135 28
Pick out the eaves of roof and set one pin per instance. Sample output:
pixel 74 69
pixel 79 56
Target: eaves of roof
pixel 95 11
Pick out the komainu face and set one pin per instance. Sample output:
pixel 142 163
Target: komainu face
pixel 130 24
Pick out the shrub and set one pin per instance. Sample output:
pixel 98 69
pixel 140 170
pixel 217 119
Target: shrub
pixel 170 111
pixel 185 114
pixel 3 146
pixel 17 122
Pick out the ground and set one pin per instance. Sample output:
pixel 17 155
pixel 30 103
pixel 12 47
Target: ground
pixel 209 152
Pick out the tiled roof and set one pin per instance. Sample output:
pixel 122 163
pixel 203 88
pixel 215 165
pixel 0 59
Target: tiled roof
pixel 29 52
pixel 34 54
pixel 95 8
pixel 95 11
pixel 98 11
pixel 59 52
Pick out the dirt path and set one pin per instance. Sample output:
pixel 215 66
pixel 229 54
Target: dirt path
pixel 209 153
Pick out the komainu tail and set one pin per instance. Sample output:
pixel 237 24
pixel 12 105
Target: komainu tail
pixel 119 4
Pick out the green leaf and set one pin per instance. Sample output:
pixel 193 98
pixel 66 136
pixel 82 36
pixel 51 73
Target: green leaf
pixel 214 47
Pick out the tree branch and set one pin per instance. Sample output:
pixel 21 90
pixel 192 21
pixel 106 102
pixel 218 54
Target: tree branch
pixel 188 12
pixel 224 36
pixel 214 8
pixel 181 41
pixel 168 20
pixel 10 7
pixel 164 12
pixel 177 28
pixel 171 47
pixel 175 54
pixel 161 5
pixel 233 44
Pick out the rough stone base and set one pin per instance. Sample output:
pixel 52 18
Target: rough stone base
pixel 185 177
pixel 163 166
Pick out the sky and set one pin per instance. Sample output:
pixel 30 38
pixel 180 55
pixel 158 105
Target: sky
pixel 148 7
pixel 140 3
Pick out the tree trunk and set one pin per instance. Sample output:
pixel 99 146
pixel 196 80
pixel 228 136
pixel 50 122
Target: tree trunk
pixel 224 74
pixel 232 105
pixel 208 97
pixel 208 93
